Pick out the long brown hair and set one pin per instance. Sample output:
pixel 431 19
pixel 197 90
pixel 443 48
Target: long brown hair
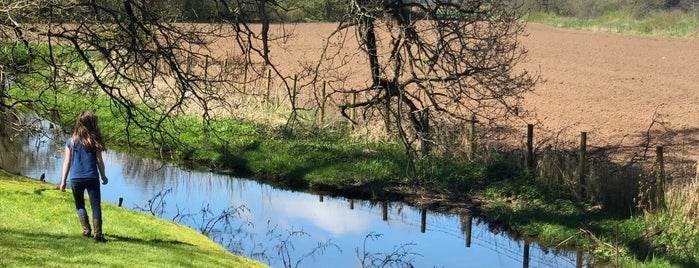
pixel 88 132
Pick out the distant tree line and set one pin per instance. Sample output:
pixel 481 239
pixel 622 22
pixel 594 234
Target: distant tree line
pixel 210 11
pixel 334 10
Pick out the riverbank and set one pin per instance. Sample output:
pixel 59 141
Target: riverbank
pixel 40 229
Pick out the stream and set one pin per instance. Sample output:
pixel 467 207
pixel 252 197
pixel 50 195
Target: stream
pixel 286 228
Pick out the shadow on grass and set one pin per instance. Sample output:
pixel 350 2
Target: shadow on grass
pixel 42 248
pixel 149 242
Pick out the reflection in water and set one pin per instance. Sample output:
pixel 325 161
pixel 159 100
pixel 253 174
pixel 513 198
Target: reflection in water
pixel 288 229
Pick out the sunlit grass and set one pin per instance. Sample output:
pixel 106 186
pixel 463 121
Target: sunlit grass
pixel 674 24
pixel 40 229
pixel 679 233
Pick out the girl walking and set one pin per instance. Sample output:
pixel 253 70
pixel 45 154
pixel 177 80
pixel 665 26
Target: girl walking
pixel 83 161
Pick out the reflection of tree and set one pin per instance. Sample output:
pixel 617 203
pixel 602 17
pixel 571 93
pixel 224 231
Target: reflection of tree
pixel 228 228
pixel 152 170
pixel 225 230
pixel 156 205
pixel 285 247
pixel 154 174
pixel 401 256
pixel 26 141
pixel 208 222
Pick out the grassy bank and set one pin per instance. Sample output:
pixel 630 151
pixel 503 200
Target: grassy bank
pixel 673 24
pixel 40 229
pixel 662 238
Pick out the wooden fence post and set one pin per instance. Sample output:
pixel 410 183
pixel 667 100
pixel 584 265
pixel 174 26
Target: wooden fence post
pixel 384 210
pixel 268 85
pixel 659 185
pixel 292 100
pixel 472 138
pixel 468 225
pixel 530 148
pixel 579 259
pixel 245 78
pixel 188 64
pixel 3 83
pixel 425 146
pixel 696 173
pixel 352 112
pixel 582 156
pixel 293 92
pixel 322 104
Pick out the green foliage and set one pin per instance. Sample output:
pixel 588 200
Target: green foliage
pixel 679 238
pixel 590 9
pixel 313 163
pixel 21 59
pixel 500 168
pixel 447 174
pixel 314 10
pixel 665 238
pixel 14 55
pixel 668 24
pixel 672 24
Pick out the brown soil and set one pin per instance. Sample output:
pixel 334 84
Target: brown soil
pixel 616 86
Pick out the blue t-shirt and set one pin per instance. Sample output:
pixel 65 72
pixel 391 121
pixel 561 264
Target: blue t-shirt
pixel 83 164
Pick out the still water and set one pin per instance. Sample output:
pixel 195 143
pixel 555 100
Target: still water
pixel 291 229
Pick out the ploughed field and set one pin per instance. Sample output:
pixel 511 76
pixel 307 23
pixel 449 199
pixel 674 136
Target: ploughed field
pixel 627 92
pixel 623 90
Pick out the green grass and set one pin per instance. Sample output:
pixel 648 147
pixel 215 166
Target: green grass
pixel 663 238
pixel 672 24
pixel 40 229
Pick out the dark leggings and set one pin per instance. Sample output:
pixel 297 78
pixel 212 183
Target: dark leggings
pixel 93 191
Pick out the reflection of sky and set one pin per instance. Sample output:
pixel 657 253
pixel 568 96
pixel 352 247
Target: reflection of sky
pixel 442 245
pixel 332 217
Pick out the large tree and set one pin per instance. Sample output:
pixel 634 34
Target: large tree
pixel 438 64
pixel 432 65
pixel 133 51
